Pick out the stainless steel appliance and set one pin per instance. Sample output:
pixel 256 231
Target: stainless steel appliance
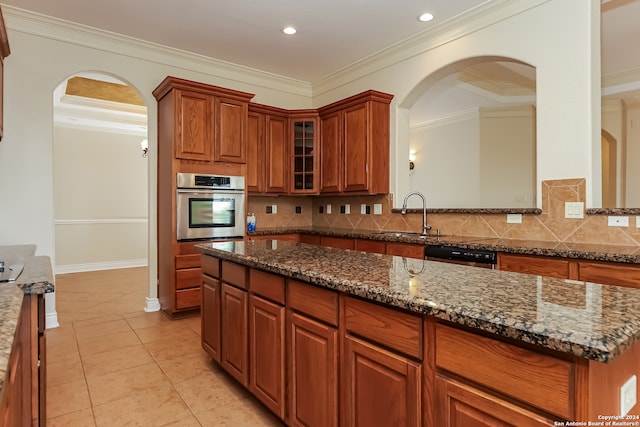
pixel 209 207
pixel 456 255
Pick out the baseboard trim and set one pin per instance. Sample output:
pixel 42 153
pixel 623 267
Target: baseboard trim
pixel 110 265
pixel 51 320
pixel 153 304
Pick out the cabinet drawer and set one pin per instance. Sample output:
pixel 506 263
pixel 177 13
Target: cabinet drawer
pixel 398 331
pixel 319 303
pixel 406 250
pixel 538 379
pixel 187 261
pixel 210 266
pixel 336 242
pixel 269 286
pixel 188 278
pixel 234 274
pixel 311 239
pixel 551 267
pixel 609 274
pixel 371 246
pixel 188 298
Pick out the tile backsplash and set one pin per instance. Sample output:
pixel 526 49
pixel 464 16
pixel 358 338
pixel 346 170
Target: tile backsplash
pixel 550 225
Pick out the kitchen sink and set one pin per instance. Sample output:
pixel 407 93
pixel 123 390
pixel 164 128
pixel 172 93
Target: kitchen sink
pixel 401 234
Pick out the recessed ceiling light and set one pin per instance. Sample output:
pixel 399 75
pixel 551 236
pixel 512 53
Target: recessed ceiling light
pixel 289 30
pixel 425 17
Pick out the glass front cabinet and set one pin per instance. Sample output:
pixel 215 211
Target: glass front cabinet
pixel 304 155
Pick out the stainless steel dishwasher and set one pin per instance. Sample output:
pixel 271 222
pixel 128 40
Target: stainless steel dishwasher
pixel 463 256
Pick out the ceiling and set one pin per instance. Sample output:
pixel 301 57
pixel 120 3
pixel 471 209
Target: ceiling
pixel 334 34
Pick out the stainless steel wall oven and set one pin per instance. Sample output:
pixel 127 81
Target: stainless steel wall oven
pixel 209 207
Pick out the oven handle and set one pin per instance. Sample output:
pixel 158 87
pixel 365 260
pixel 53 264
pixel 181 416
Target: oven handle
pixel 209 191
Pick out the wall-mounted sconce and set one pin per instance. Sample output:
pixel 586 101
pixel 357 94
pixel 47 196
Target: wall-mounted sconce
pixel 412 159
pixel 144 145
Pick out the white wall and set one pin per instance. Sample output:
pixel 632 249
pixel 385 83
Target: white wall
pixel 560 38
pixel 633 155
pixel 100 200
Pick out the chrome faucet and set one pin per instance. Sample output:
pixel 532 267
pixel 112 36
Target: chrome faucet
pixel 425 227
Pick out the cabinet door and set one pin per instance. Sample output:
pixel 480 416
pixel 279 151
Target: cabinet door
pixel 337 242
pixel 267 379
pixel 331 153
pixel 460 405
pixel 380 388
pixel 304 157
pixel 234 354
pixel 276 156
pixel 609 273
pixel 194 139
pixel 405 250
pixel 210 317
pixel 255 152
pixel 231 131
pixel 552 267
pixel 313 385
pixel 356 148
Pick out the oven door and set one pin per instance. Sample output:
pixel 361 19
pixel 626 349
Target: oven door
pixel 203 214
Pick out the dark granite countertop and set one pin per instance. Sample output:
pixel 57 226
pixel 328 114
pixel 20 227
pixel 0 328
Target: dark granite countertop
pixel 586 251
pixel 592 321
pixel 36 278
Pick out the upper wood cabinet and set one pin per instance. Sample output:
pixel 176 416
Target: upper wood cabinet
pixel 203 123
pixel 268 154
pixel 304 152
pixel 355 144
pixel 4 52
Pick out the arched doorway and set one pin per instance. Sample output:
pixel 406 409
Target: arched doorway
pixel 100 175
pixel 609 170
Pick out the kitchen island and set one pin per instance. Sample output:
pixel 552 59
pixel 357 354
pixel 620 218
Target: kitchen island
pixel 326 336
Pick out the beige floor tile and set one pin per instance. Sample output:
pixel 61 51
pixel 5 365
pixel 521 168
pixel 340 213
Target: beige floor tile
pixel 190 421
pixel 193 323
pixel 67 398
pixel 92 345
pixel 82 418
pixel 175 347
pixel 209 391
pixel 64 372
pixel 165 331
pixel 182 369
pixel 147 320
pixel 240 413
pixel 115 360
pixel 62 335
pixel 120 384
pixel 156 406
pixel 93 318
pixel 62 352
pixel 100 328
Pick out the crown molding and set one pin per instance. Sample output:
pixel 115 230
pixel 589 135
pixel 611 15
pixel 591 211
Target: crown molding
pixel 81 35
pixel 460 26
pixel 460 116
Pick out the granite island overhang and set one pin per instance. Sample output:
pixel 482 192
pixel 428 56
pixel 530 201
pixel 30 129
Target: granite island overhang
pixel 595 327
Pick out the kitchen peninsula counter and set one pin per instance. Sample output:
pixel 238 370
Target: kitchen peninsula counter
pixel 580 251
pixel 591 321
pixel 35 280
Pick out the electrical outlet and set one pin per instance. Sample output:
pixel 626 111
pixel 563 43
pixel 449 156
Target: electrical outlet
pixel 298 209
pixel 618 221
pixel 274 208
pixel 269 209
pixel 328 209
pixel 574 210
pixel 347 209
pixel 363 209
pixel 320 209
pixel 638 222
pixel 377 208
pixel 628 396
pixel 514 218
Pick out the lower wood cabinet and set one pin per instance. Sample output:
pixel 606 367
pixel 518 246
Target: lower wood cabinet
pixel 559 268
pixel 405 250
pixel 461 405
pixel 609 274
pixel 313 371
pixel 210 317
pixel 380 388
pixel 267 354
pixel 234 354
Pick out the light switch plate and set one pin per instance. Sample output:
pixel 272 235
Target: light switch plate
pixel 274 209
pixel 628 396
pixel 574 210
pixel 377 208
pixel 347 209
pixel 638 222
pixel 618 221
pixel 329 209
pixel 363 209
pixel 514 218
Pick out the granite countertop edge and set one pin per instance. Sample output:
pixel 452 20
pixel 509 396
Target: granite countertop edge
pixel 601 349
pixel 598 252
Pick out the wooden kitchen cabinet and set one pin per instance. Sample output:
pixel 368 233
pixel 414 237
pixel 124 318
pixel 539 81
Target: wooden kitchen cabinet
pixel 312 239
pixel 337 242
pixel 560 268
pixel 461 405
pixel 210 316
pixel 370 246
pixel 230 130
pixel 267 355
pixel 234 354
pixel 268 146
pixel 609 273
pixel 380 388
pixel 304 153
pixel 405 250
pixel 194 125
pixel 355 144
pixel 4 52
